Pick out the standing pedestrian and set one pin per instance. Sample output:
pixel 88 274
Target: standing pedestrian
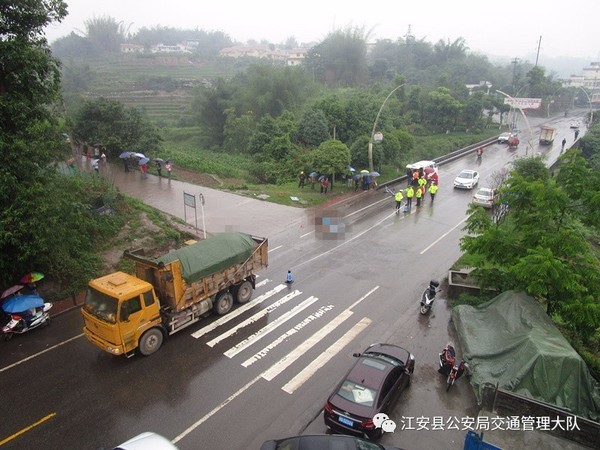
pixel 419 195
pixel 409 175
pixel 159 169
pixel 356 182
pixel 95 163
pixel 302 178
pixel 576 134
pixel 422 184
pixel 144 169
pixel 289 279
pixel 398 197
pixel 564 142
pixel 169 167
pixel 324 185
pixel 312 180
pixel 410 193
pixel 433 190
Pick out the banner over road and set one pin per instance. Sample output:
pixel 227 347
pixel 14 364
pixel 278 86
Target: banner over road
pixel 523 103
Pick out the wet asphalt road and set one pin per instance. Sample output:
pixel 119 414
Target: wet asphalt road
pixel 233 385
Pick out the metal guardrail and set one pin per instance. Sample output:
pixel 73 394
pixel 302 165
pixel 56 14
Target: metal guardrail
pixel 446 159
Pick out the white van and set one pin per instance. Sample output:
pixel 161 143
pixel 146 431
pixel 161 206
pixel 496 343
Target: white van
pixel 423 165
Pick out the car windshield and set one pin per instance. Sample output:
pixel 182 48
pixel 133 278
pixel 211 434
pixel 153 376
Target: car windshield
pixel 466 175
pixel 361 395
pixel 101 306
pixel 386 358
pixel 484 193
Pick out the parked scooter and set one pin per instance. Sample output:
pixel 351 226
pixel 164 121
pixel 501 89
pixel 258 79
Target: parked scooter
pixel 428 296
pixel 25 313
pixel 450 366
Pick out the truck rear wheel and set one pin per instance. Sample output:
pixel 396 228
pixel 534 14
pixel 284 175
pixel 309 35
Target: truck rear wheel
pixel 150 341
pixel 243 292
pixel 223 303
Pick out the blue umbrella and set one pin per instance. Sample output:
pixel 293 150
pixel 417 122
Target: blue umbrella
pixel 125 155
pixel 143 161
pixel 313 174
pixel 22 303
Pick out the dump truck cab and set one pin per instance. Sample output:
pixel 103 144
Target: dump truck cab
pixel 118 310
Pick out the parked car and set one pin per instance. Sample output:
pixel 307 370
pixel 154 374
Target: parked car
pixel 323 442
pixel 503 138
pixel 370 387
pixel 467 179
pixel 147 441
pixel 574 124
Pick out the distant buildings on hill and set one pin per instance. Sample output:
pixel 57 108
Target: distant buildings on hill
pixel 588 80
pixel 291 57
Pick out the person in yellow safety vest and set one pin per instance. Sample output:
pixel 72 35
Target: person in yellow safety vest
pixel 422 184
pixel 398 197
pixel 410 193
pixel 433 190
pixel 419 195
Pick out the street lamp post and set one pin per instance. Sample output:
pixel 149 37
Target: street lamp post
pixel 590 103
pixel 370 154
pixel 524 117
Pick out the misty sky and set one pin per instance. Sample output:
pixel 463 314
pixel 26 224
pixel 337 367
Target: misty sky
pixel 510 28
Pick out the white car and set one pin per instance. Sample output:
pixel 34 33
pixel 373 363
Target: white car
pixel 574 124
pixel 147 441
pixel 467 179
pixel 484 197
pixel 503 138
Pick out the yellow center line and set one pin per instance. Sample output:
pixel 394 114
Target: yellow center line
pixel 26 429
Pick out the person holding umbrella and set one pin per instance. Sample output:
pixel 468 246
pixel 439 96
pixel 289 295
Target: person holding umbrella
pixel 169 167
pixel 158 167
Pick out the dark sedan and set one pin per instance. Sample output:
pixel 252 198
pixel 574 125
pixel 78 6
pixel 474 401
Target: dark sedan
pixel 371 387
pixel 323 442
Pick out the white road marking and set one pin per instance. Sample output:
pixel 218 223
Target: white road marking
pixel 262 353
pixel 253 338
pixel 215 410
pixel 444 235
pixel 254 318
pixel 273 249
pixel 41 353
pixel 237 312
pixel 287 360
pixel 306 234
pixel 291 386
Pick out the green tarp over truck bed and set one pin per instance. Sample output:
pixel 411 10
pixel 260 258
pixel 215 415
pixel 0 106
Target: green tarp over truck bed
pixel 511 341
pixel 211 255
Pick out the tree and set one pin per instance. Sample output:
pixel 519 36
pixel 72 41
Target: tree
pixel 540 247
pixel 115 126
pixel 312 128
pixel 331 157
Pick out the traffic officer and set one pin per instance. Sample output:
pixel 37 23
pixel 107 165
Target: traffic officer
pixel 433 190
pixel 398 197
pixel 410 193
pixel 419 195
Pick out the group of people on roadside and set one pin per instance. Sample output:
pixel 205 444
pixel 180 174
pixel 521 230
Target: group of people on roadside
pixel 312 180
pixel 417 186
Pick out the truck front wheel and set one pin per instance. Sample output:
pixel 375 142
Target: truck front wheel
pixel 223 304
pixel 150 341
pixel 244 292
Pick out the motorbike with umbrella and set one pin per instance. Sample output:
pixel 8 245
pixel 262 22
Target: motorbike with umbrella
pixel 25 313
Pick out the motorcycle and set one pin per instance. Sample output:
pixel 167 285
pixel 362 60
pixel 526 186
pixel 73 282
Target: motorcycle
pixel 428 296
pixel 450 366
pixel 25 312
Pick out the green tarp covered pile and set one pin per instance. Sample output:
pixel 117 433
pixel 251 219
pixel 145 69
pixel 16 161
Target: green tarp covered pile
pixel 511 341
pixel 211 255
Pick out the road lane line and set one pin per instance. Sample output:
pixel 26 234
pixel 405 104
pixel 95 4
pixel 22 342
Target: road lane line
pixel 253 338
pixel 26 429
pixel 215 410
pixel 254 318
pixel 238 311
pixel 295 329
pixel 444 235
pixel 41 353
pixel 287 360
pixel 291 386
pixel 273 249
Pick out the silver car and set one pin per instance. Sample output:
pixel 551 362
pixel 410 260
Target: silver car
pixel 484 197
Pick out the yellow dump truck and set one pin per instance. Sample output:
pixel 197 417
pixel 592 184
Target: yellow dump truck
pixel 547 135
pixel 125 312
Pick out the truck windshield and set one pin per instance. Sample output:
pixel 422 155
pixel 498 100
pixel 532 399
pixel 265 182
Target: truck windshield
pixel 101 306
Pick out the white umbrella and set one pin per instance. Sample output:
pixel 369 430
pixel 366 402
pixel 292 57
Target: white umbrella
pixel 139 155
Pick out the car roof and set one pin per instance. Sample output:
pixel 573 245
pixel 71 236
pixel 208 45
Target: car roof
pixel 467 171
pixel 485 189
pixel 420 164
pixel 392 350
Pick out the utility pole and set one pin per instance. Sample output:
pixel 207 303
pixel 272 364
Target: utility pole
pixel 537 56
pixel 514 63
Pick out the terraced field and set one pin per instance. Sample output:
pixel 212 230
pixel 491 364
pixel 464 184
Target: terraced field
pixel 125 77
